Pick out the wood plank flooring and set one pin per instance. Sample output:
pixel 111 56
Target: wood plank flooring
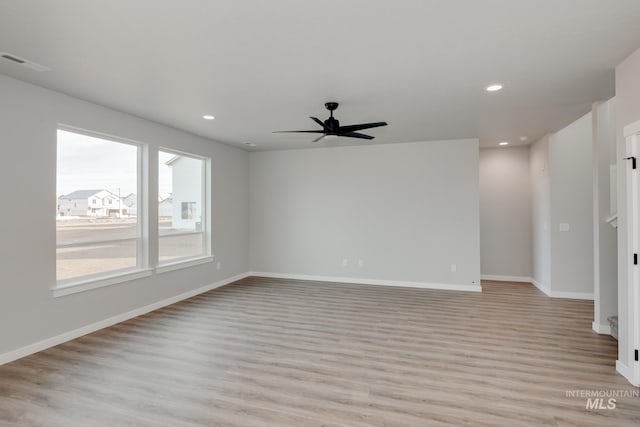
pixel 289 353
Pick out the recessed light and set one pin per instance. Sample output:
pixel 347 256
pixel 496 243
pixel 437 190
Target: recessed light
pixel 504 143
pixel 523 138
pixel 249 144
pixel 16 60
pixel 208 117
pixel 494 87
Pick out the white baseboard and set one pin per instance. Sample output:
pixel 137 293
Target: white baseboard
pixel 500 278
pixel 572 295
pixel 601 329
pixel 541 287
pixel 557 294
pixel 626 372
pixel 76 333
pixel 443 286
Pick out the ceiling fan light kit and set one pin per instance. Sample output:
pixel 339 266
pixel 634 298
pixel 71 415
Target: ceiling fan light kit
pixel 331 128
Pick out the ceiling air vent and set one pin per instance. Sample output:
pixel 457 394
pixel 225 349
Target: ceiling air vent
pixel 22 62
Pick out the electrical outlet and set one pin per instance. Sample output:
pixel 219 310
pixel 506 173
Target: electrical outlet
pixel 345 262
pixel 218 265
pixel 454 268
pixel 360 263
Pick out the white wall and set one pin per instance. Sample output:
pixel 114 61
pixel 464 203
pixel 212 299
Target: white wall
pixel 28 119
pixel 505 213
pixel 186 180
pixel 570 167
pixel 408 211
pixel 541 213
pixel 74 207
pixel 627 112
pixel 604 235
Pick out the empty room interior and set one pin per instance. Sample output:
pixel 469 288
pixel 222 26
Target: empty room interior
pixel 337 213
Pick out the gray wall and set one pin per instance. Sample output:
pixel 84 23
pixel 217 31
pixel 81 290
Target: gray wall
pixel 570 167
pixel 408 211
pixel 28 119
pixel 604 235
pixel 505 213
pixel 627 112
pixel 541 213
pixel 562 193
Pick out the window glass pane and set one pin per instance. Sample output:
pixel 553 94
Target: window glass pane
pixel 95 259
pixel 180 206
pixel 180 193
pixel 97 181
pixel 77 230
pixel 182 246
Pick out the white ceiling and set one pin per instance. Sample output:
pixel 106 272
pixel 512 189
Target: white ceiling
pixel 261 66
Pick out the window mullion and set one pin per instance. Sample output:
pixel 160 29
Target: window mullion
pixel 151 191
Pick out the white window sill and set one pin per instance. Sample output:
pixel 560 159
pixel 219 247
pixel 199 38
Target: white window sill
pixel 186 263
pixel 85 284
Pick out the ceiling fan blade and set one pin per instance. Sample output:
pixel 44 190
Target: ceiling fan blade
pixel 357 135
pixel 363 126
pixel 298 131
pixel 318 138
pixel 318 121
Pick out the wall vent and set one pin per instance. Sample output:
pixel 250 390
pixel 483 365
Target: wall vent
pixel 16 60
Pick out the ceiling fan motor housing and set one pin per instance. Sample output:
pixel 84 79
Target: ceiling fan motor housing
pixel 332 126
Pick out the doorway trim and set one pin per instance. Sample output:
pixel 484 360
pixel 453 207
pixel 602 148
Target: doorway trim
pixel 632 270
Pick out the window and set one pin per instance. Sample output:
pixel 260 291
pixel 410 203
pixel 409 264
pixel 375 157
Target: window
pixel 183 230
pixel 188 210
pixel 96 242
pixel 101 230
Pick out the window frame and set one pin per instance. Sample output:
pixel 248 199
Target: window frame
pixel 92 281
pixel 148 240
pixel 205 209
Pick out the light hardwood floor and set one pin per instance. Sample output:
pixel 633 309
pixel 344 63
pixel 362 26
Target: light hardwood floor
pixel 281 352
